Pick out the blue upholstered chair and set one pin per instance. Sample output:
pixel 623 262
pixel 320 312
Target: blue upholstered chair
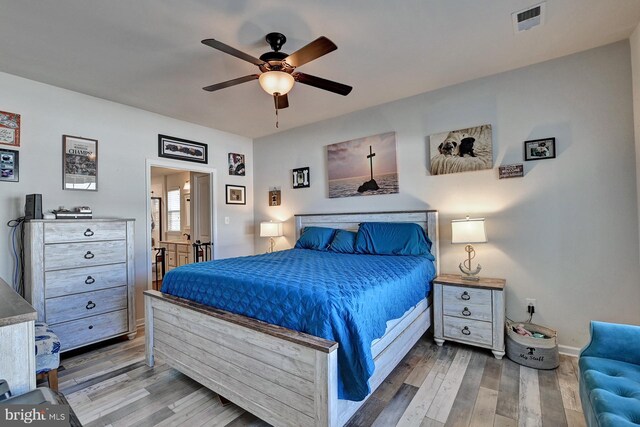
pixel 47 354
pixel 610 376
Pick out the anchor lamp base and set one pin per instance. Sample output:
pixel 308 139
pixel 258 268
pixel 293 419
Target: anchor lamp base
pixel 465 266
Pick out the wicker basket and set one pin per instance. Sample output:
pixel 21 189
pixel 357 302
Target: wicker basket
pixel 538 353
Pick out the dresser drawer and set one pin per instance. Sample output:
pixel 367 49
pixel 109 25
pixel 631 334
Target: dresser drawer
pixel 71 307
pixel 60 232
pixel 90 329
pixel 474 331
pixel 77 280
pixel 73 255
pixel 467 302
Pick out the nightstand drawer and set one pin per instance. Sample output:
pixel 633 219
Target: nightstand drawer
pixel 467 302
pixel 473 331
pixel 478 302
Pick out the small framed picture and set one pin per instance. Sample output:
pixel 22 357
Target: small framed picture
pixel 301 178
pixel 236 164
pixel 540 149
pixel 79 163
pixel 274 197
pixel 9 129
pixel 9 165
pixel 236 194
pixel 182 149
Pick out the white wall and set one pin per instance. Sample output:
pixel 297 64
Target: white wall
pixel 127 137
pixel 565 234
pixel 635 76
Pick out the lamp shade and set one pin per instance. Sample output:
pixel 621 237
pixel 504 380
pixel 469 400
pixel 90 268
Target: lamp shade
pixel 276 82
pixel 270 229
pixel 468 231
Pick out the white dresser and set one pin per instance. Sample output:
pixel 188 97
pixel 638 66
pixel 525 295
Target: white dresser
pixel 79 276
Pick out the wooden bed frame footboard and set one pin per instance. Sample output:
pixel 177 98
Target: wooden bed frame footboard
pixel 284 377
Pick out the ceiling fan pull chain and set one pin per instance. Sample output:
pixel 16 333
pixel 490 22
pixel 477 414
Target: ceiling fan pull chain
pixel 275 101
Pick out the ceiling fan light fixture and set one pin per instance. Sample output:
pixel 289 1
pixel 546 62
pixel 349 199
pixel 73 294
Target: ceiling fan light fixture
pixel 276 82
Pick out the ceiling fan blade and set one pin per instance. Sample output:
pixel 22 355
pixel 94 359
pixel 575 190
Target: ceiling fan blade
pixel 321 83
pixel 233 82
pixel 282 101
pixel 314 50
pixel 232 51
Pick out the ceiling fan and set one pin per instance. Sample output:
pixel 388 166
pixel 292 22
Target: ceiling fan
pixel 277 68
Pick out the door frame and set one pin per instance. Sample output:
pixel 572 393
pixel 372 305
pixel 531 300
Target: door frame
pixel 213 205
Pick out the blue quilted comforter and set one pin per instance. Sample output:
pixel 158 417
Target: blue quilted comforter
pixel 345 298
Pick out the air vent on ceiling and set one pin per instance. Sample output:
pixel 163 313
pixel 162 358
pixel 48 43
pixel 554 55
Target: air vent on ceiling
pixel 529 18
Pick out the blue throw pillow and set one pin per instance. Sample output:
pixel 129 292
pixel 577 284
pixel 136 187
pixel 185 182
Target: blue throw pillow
pixel 343 242
pixel 391 238
pixel 317 238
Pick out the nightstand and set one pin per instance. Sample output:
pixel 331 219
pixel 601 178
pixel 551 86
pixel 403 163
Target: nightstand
pixel 470 312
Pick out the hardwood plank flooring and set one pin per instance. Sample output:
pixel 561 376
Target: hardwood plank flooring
pixel 454 385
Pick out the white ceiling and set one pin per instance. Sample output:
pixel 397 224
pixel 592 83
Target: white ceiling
pixel 147 53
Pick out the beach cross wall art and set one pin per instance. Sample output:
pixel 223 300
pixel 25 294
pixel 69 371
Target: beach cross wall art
pixel 363 167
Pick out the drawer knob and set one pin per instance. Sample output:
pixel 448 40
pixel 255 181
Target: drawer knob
pixel 90 305
pixel 88 255
pixel 466 331
pixel 465 296
pixel 89 280
pixel 90 326
pixel 88 233
pixel 466 312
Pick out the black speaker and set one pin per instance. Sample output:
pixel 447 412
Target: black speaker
pixel 33 207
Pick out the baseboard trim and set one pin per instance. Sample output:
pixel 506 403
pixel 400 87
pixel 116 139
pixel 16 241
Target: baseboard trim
pixel 569 351
pixel 140 323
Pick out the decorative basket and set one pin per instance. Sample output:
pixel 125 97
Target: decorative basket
pixel 538 353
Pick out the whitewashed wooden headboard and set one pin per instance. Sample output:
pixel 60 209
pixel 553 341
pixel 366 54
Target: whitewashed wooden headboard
pixel 350 221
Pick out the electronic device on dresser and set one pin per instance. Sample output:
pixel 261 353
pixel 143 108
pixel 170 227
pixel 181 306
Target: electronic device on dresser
pixel 33 207
pixel 79 276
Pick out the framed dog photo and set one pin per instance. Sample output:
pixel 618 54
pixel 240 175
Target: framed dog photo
pixel 540 149
pixel 301 178
pixel 9 165
pixel 461 150
pixel 236 194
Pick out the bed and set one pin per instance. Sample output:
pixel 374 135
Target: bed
pixel 281 375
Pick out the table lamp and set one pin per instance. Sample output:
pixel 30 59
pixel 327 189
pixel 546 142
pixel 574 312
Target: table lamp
pixel 468 231
pixel 271 229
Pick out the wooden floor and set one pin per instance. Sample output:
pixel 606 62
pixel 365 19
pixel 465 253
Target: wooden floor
pixel 449 386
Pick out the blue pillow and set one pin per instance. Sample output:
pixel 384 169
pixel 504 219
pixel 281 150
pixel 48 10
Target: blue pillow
pixel 317 238
pixel 343 242
pixel 392 238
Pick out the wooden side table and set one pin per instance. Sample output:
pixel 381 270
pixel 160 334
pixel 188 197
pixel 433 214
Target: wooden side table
pixel 470 312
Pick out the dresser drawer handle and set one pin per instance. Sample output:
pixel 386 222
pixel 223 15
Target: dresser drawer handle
pixel 88 233
pixel 90 305
pixel 88 255
pixel 466 312
pixel 90 326
pixel 466 331
pixel 90 280
pixel 465 296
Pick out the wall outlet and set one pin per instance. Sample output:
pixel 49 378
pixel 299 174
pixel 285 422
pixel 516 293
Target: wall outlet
pixel 226 220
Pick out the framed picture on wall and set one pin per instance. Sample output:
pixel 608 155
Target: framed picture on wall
pixel 79 163
pixel 182 149
pixel 540 149
pixel 301 178
pixel 9 129
pixel 236 194
pixel 9 165
pixel 236 164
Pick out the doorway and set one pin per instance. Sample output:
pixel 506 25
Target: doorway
pixel 179 220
